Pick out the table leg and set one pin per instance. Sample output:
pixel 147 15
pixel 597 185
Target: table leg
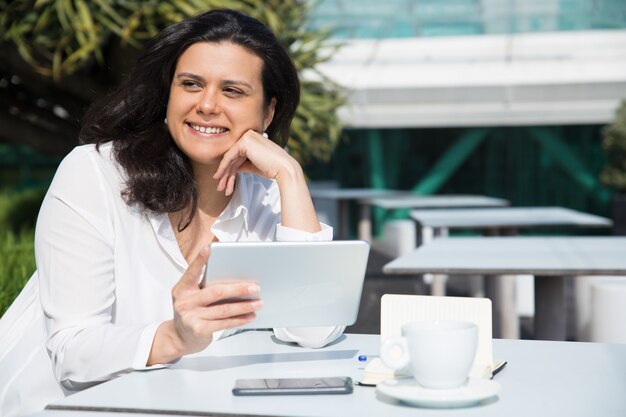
pixel 343 219
pixel 550 308
pixel 365 222
pixel 437 281
pixel 424 234
pixel 437 284
pixel 500 289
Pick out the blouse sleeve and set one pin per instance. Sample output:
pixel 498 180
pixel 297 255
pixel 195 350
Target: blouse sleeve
pixel 74 248
pixel 287 234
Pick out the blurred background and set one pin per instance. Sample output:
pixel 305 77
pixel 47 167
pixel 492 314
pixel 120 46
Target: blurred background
pixel 515 99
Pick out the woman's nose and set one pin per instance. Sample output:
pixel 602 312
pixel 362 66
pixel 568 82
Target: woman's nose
pixel 208 103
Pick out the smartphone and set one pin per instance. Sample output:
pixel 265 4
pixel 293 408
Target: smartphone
pixel 293 386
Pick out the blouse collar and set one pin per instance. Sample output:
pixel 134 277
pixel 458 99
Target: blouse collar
pixel 228 226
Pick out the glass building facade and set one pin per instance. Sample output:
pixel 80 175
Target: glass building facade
pixel 376 19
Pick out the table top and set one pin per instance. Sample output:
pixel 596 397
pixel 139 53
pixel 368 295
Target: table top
pixel 555 256
pixel 541 379
pixel 412 201
pixel 507 217
pixel 353 193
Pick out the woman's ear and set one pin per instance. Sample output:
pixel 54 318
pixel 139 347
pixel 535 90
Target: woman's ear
pixel 269 114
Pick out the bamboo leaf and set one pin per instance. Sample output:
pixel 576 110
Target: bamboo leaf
pixel 110 12
pixel 57 61
pixel 62 15
pixel 107 23
pixel 85 18
pixel 82 54
pixel 24 51
pixel 43 21
pixel 69 11
pixel 40 3
pixel 184 7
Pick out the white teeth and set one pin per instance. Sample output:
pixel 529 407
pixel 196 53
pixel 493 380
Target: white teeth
pixel 203 129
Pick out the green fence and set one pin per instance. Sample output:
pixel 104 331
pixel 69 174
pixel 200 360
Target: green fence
pixel 529 166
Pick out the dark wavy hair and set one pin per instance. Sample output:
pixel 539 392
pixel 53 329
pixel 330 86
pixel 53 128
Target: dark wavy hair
pixel 160 177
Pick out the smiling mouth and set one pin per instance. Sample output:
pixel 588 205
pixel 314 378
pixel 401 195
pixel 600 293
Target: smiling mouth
pixel 204 129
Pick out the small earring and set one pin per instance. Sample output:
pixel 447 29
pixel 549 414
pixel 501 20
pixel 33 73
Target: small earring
pixel 165 120
pixel 265 135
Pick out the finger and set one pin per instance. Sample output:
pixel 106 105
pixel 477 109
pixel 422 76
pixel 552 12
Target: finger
pixel 248 167
pixel 228 178
pixel 230 185
pixel 227 281
pixel 230 323
pixel 191 276
pixel 228 310
pixel 215 293
pixel 238 321
pixel 225 164
pixel 199 331
pixel 235 164
pixel 222 167
pixel 221 185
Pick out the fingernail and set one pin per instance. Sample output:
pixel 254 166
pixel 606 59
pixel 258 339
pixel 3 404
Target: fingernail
pixel 254 289
pixel 257 304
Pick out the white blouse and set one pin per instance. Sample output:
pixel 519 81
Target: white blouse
pixel 106 270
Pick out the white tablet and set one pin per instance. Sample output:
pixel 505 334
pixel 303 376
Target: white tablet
pixel 302 283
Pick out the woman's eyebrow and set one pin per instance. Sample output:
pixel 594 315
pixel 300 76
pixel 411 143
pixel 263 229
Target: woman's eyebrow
pixel 226 83
pixel 194 77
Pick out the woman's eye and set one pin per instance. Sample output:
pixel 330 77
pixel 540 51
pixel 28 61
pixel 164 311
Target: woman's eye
pixel 191 84
pixel 233 91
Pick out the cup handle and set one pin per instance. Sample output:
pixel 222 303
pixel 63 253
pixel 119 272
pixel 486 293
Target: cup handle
pixel 387 349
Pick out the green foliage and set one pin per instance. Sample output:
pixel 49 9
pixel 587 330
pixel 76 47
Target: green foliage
pixel 18 213
pixel 17 264
pixel 614 143
pixel 58 38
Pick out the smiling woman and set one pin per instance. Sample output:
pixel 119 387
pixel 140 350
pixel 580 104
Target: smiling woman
pixel 176 158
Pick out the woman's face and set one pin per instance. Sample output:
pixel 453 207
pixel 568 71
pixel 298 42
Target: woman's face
pixel 215 97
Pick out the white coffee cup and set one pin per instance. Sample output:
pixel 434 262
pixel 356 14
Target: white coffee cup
pixel 440 353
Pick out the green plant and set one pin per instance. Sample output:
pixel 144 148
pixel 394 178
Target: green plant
pixel 18 211
pixel 60 39
pixel 17 264
pixel 614 144
pixel 18 214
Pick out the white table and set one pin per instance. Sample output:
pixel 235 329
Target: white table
pixel 496 219
pixel 502 221
pixel 549 259
pixel 343 196
pixel 541 379
pixel 412 201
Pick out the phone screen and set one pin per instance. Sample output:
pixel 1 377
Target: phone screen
pixel 270 386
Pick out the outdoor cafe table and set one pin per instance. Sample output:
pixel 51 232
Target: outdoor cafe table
pixel 549 259
pixel 502 221
pixel 541 379
pixel 413 201
pixel 344 195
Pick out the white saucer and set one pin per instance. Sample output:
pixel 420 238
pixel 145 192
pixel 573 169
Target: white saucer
pixel 407 390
